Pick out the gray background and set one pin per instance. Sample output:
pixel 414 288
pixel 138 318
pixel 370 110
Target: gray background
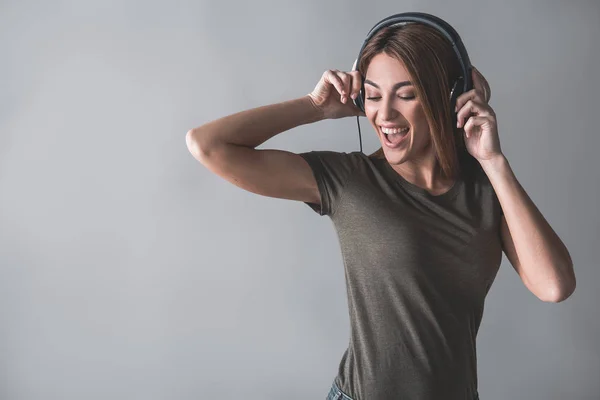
pixel 129 271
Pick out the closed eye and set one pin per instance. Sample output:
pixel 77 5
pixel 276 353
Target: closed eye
pixel 403 98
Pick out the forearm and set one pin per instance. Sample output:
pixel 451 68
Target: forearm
pixel 543 256
pixel 251 128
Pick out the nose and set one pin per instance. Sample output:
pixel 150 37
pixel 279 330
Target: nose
pixel 386 111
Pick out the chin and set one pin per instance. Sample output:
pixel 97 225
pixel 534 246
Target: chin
pixel 394 156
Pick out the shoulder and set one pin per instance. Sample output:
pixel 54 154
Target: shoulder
pixel 335 161
pixel 332 171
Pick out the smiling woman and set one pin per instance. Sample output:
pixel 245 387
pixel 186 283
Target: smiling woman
pixel 422 222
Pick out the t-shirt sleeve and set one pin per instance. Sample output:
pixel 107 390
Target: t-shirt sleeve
pixel 331 171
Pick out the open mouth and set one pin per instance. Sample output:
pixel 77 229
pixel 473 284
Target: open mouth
pixel 393 137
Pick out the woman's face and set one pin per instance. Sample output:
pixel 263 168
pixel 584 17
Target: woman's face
pixel 390 102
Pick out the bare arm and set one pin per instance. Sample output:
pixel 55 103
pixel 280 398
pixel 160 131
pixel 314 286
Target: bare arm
pixel 535 251
pixel 227 146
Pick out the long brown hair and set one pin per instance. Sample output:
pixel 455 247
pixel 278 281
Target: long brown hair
pixel 433 65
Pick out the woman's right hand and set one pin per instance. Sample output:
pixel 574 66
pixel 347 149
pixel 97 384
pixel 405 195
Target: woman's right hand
pixel 334 93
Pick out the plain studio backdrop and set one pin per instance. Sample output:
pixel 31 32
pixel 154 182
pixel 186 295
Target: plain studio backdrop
pixel 129 271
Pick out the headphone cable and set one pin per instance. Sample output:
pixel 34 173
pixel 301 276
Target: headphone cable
pixel 359 135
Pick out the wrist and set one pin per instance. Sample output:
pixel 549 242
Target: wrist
pixel 496 163
pixel 319 113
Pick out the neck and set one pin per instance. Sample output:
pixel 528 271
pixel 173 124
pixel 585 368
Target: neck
pixel 424 172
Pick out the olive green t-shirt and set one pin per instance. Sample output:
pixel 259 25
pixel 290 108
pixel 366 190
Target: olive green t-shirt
pixel 418 268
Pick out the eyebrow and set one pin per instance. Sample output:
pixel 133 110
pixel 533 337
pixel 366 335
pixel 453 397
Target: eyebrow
pixel 396 86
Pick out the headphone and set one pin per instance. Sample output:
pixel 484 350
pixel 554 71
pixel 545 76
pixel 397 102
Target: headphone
pixel 461 85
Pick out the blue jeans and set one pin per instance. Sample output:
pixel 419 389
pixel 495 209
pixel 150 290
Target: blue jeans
pixel 336 394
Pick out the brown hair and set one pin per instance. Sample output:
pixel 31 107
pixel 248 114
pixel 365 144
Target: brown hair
pixel 433 65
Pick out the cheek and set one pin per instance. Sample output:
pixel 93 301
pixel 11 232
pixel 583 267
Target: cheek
pixel 370 108
pixel 417 118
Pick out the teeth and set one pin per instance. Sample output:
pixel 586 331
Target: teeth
pixel 389 131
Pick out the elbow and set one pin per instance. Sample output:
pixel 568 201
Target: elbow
pixel 200 145
pixel 560 291
pixel 192 143
pixel 556 295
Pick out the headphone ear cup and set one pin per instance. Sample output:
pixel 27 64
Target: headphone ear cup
pixel 360 99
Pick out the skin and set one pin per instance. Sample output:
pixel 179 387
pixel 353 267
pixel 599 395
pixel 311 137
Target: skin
pixel 388 104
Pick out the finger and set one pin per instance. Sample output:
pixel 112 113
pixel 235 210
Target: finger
pixel 473 122
pixel 480 83
pixel 477 82
pixel 334 79
pixel 347 85
pixel 474 107
pixel 473 94
pixel 356 84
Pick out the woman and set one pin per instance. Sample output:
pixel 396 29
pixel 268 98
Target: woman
pixel 422 222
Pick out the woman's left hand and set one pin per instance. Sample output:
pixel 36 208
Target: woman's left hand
pixel 480 128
